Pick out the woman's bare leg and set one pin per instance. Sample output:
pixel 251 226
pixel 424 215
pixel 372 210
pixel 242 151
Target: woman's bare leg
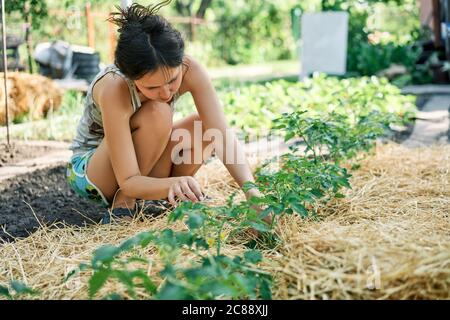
pixel 153 148
pixel 151 126
pixel 165 166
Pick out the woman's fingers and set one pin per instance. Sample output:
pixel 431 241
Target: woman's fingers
pixel 195 187
pixel 188 192
pixel 186 188
pixel 171 197
pixel 179 193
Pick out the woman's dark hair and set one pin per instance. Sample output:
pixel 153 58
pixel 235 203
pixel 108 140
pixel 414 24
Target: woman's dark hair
pixel 147 41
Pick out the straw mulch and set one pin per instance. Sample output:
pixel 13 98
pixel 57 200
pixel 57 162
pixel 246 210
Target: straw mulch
pixel 28 93
pixel 389 239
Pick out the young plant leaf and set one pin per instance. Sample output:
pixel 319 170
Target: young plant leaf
pixel 97 281
pixel 253 256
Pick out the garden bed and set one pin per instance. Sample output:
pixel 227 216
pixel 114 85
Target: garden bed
pixel 388 239
pixel 18 152
pixel 41 197
pixel 44 197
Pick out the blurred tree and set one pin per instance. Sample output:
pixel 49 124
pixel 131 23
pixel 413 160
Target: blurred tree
pixel 366 58
pixel 192 8
pixel 33 11
pixel 250 31
pixel 187 7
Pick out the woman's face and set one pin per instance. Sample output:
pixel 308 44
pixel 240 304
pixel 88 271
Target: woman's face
pixel 160 85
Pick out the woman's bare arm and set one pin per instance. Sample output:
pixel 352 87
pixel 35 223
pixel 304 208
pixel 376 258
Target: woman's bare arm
pixel 212 116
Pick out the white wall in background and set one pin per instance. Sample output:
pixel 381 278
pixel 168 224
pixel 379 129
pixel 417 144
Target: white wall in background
pixel 324 42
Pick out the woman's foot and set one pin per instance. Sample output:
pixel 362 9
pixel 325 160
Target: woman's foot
pixel 116 214
pixel 150 208
pixel 153 208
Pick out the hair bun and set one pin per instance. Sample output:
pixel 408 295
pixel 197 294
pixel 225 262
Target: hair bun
pixel 137 17
pixel 133 26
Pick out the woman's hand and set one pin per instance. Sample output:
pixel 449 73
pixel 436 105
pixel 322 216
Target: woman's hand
pixel 253 192
pixel 185 188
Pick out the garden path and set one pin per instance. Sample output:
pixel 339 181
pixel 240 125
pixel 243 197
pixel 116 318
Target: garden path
pixel 432 125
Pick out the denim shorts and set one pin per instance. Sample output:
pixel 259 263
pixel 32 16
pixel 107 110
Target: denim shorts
pixel 79 181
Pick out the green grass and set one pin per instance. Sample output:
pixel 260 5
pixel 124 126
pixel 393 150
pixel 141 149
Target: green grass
pixel 256 72
pixel 59 125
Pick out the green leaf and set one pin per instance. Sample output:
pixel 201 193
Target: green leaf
pixel 147 283
pixel 206 270
pixel 195 220
pixel 21 288
pixel 104 255
pixel 344 182
pixel 139 239
pixel 278 209
pixel 201 243
pixel 193 274
pixel 218 289
pixel 253 256
pixel 83 266
pixel 260 226
pixel 266 212
pixel 252 244
pixel 172 291
pixel 247 283
pixel 317 193
pixel 167 238
pixel 113 296
pixel 176 214
pixel 168 271
pixel 289 136
pixel 299 208
pixel 185 238
pixel 264 289
pixel 339 195
pixel 97 281
pixel 4 291
pixel 137 259
pixel 126 278
pixel 256 200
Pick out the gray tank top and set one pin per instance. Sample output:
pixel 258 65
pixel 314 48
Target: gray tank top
pixel 90 133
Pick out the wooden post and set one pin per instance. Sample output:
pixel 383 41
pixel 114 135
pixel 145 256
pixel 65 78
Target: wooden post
pixel 193 28
pixel 437 24
pixel 29 46
pixel 90 26
pixel 5 71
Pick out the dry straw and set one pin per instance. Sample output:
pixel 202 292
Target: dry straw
pixel 389 239
pixel 29 93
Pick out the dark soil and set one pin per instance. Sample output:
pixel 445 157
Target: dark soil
pixel 16 153
pixel 48 194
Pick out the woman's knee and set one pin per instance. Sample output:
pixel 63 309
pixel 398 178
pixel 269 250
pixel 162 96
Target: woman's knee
pixel 155 117
pixel 195 117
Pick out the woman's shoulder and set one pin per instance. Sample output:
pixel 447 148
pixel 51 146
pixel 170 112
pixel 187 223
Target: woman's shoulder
pixel 109 86
pixel 192 64
pixel 194 71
